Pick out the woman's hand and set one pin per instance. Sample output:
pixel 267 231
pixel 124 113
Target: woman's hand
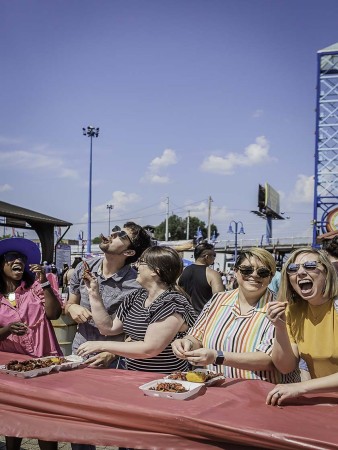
pixel 180 347
pixel 101 360
pixel 18 328
pixel 281 392
pixel 39 272
pixel 276 312
pixel 201 356
pixel 90 347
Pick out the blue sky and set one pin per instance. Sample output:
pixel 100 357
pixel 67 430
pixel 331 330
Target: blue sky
pixel 193 98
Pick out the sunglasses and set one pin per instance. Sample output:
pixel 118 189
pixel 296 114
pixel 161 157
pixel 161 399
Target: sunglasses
pixel 309 266
pixel 143 262
pixel 262 272
pixel 12 256
pixel 116 231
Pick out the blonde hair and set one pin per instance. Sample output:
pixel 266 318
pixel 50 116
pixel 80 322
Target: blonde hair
pixel 261 254
pixel 286 291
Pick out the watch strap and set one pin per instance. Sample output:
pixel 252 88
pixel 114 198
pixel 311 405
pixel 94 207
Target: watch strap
pixel 219 361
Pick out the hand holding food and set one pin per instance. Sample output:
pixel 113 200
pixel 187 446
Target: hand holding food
pixel 39 272
pixel 180 347
pixel 276 312
pixel 89 279
pixel 201 356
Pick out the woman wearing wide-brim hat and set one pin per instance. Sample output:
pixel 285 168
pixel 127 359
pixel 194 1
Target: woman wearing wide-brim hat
pixel 27 305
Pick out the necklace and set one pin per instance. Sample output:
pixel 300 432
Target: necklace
pixel 11 298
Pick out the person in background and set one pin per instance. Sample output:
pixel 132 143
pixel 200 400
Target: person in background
pixel 27 305
pixel 69 273
pixel 152 316
pixel 115 277
pixel 198 280
pixel 331 246
pixel 233 335
pixel 306 323
pixel 61 274
pixel 53 276
pixel 46 266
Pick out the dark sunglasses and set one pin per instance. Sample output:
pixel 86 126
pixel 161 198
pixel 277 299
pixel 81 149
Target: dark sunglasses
pixel 116 231
pixel 309 266
pixel 262 272
pixel 12 256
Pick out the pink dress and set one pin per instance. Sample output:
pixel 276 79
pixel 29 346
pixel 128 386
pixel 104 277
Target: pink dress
pixel 40 340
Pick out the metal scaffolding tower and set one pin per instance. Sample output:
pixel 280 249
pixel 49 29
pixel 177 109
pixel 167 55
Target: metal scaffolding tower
pixel 326 152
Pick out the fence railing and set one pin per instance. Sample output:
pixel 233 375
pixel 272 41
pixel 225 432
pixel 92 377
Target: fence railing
pixel 274 242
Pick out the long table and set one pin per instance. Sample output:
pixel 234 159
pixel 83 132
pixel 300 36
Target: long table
pixel 106 407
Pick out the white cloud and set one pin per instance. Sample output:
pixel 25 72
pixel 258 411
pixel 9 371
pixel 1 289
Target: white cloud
pixel 29 160
pixel 254 154
pixel 121 201
pixel 303 190
pixel 5 188
pixel 168 158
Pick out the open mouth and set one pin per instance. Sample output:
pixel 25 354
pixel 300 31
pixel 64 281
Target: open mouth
pixel 305 286
pixel 104 239
pixel 17 268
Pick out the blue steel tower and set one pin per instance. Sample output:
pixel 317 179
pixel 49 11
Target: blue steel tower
pixel 326 152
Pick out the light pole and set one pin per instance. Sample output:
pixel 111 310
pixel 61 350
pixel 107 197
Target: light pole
pixel 109 207
pixel 90 132
pixel 241 231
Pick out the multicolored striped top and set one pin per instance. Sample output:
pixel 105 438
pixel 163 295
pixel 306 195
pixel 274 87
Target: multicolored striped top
pixel 221 326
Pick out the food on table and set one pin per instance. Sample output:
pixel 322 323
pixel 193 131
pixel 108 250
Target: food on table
pixel 196 377
pixel 185 377
pixel 169 387
pixel 32 364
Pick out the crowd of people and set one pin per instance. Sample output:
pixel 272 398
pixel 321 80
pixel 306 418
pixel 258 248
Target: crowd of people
pixel 137 309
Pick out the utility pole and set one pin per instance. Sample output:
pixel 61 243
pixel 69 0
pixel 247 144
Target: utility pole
pixel 167 222
pixel 209 218
pixel 188 225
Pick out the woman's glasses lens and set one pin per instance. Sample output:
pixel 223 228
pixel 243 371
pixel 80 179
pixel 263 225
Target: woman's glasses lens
pixel 262 272
pixel 308 265
pixel 12 256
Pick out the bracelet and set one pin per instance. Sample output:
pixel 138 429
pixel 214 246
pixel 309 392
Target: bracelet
pixel 44 285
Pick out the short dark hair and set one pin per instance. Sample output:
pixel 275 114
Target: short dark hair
pixel 331 246
pixel 200 248
pixel 140 239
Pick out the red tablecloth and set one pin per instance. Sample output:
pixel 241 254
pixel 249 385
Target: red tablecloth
pixel 105 407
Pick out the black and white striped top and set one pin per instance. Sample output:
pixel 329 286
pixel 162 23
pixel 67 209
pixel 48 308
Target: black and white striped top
pixel 136 318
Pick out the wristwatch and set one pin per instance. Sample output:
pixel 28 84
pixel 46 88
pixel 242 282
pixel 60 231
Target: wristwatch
pixel 219 361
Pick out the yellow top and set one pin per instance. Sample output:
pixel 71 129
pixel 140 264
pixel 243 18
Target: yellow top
pixel 315 331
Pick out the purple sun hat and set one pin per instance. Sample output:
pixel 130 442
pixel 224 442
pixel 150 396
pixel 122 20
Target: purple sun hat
pixel 24 246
